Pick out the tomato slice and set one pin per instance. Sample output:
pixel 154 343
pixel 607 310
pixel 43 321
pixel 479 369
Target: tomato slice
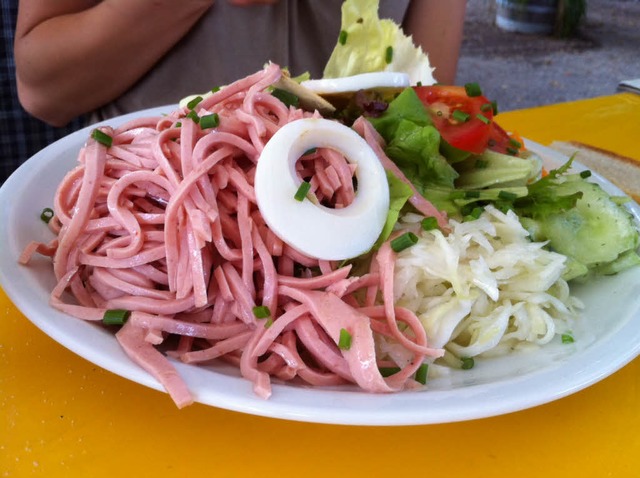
pixel 465 122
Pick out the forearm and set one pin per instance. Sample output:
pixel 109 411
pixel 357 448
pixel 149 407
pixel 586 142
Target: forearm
pixel 71 63
pixel 437 26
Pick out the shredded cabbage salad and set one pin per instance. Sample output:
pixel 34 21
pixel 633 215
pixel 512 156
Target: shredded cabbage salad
pixel 485 288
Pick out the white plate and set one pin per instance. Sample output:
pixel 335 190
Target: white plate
pixel 607 337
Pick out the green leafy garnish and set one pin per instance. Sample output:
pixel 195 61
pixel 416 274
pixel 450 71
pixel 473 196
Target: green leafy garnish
pixel 404 241
pixel 209 121
pixel 302 191
pixel 115 316
pixel 288 98
pixel 467 363
pixel 421 374
pixel 344 341
pixel 261 312
pixel 194 102
pixel 102 137
pixel 46 215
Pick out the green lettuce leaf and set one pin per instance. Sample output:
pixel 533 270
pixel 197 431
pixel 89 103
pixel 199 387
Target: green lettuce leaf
pixel 416 151
pixel 413 143
pixel 406 106
pixel 399 194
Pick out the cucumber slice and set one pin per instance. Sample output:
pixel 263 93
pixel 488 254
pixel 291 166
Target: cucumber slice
pixel 595 232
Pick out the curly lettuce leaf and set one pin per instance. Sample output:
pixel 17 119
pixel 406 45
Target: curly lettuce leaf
pixel 368 44
pixel 546 197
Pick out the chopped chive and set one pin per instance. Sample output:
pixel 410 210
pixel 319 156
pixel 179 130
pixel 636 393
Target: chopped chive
pixel 215 89
pixel 494 105
pixel 404 241
pixel 388 371
pixel 475 213
pixel 342 38
pixel 288 98
pixel 194 102
pixel 115 316
pixel 388 55
pixel 503 207
pixel 585 174
pixel 515 143
pixel 481 164
pixel 507 196
pixel 467 208
pixel 102 137
pixel 487 107
pixel 268 323
pixel 473 89
pixel 421 374
pixel 193 116
pixel 567 339
pixel 483 118
pixel 309 151
pixel 460 116
pixel 261 312
pixel 512 151
pixel 344 341
pixel 302 191
pixel 419 83
pixel 209 121
pixel 467 363
pixel 46 215
pixel 178 124
pixel 471 194
pixel 429 223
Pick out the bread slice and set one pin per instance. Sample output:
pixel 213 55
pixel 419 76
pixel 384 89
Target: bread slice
pixel 622 171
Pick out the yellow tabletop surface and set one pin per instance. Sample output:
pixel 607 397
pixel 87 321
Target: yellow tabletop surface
pixel 61 415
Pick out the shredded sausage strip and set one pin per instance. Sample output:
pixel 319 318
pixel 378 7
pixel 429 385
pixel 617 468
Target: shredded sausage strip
pixel 164 223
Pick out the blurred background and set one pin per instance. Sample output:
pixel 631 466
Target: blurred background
pixel 521 70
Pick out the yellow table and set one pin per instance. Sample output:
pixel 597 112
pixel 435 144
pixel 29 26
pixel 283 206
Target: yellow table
pixel 63 416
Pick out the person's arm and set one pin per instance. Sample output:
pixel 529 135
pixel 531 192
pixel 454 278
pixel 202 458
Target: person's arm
pixel 73 56
pixel 437 26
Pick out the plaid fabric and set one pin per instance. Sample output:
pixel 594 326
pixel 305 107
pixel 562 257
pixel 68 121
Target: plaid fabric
pixel 21 135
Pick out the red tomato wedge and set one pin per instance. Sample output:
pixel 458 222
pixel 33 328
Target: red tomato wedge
pixel 463 121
